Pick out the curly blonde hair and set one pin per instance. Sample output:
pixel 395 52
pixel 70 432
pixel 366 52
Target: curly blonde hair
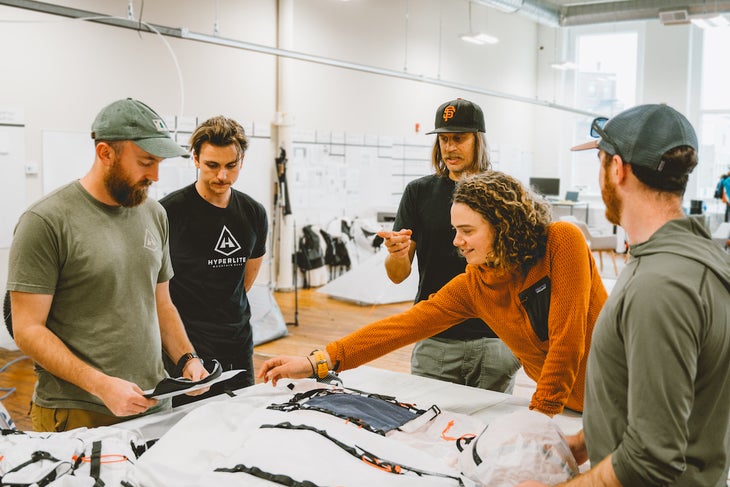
pixel 520 217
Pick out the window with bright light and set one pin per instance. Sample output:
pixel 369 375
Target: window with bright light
pixel 714 129
pixel 715 69
pixel 607 66
pixel 605 83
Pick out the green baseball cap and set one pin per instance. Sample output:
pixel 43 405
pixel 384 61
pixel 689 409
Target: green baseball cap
pixel 130 119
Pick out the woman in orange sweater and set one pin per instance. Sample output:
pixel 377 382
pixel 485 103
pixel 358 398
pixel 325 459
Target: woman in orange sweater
pixel 534 282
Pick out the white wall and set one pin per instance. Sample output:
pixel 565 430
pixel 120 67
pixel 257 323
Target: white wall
pixel 59 72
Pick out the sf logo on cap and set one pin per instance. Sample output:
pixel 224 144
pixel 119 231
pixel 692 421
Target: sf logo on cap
pixel 159 125
pixel 449 112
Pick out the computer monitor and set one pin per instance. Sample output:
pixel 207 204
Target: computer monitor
pixel 546 186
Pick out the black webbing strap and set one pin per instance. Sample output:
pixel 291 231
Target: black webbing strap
pixel 36 456
pixel 462 442
pixel 364 455
pixel 276 478
pixel 95 464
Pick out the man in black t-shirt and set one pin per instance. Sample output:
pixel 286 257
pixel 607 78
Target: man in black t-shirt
pixel 468 353
pixel 217 244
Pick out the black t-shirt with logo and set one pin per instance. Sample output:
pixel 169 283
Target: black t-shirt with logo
pixel 425 208
pixel 209 248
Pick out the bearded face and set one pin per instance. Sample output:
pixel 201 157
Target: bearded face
pixel 614 204
pixel 121 187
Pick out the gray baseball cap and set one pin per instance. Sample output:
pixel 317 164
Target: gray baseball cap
pixel 642 134
pixel 130 119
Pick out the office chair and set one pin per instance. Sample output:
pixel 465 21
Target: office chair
pixel 596 242
pixel 721 235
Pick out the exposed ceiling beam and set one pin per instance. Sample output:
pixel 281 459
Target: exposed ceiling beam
pixel 551 15
pixel 182 33
pixel 621 11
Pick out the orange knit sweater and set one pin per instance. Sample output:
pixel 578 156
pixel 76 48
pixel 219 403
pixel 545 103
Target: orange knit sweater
pixel 558 364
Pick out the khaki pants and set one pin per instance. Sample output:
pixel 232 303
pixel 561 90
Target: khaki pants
pixel 486 363
pixel 64 419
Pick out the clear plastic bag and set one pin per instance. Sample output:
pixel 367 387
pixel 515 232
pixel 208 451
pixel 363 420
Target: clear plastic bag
pixel 524 445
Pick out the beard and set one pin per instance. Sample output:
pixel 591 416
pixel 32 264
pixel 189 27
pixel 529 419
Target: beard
pixel 614 205
pixel 123 191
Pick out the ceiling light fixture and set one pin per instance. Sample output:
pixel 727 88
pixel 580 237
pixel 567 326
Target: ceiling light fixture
pixel 478 38
pixel 564 66
pixel 710 21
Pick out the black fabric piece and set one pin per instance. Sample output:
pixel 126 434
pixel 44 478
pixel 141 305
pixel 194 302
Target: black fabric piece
pixel 378 414
pixel 335 255
pixel 536 301
pixel 169 384
pixel 5 432
pixel 95 464
pixel 362 454
pixel 310 255
pixel 276 478
pixel 7 315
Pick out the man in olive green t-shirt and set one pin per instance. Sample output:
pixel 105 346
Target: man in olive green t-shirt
pixel 88 278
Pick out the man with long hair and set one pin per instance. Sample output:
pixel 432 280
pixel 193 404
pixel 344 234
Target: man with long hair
pixel 469 352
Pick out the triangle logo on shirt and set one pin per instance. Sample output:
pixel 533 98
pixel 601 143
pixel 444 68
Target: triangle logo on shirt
pixel 150 242
pixel 227 243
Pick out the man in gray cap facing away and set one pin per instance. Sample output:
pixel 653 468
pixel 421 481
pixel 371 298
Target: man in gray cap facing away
pixel 468 353
pixel 88 278
pixel 657 402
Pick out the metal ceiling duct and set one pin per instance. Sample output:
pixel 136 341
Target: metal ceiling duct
pixel 621 11
pixel 545 13
pixel 540 12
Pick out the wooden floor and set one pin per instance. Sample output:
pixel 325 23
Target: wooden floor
pixel 321 319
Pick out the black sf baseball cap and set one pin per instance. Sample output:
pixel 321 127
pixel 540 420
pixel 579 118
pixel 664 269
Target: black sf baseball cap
pixel 458 116
pixel 130 119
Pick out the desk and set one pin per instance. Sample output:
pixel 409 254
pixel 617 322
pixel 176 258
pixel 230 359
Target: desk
pixel 186 452
pixel 572 205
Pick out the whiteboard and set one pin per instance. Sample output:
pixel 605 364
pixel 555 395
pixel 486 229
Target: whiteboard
pixel 12 182
pixel 67 156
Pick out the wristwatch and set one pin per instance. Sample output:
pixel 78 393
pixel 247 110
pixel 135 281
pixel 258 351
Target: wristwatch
pixel 187 357
pixel 321 363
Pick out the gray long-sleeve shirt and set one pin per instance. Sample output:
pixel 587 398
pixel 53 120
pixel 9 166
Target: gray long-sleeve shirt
pixel 658 378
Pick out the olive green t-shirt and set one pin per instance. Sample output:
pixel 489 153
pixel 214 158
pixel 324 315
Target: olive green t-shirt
pixel 101 264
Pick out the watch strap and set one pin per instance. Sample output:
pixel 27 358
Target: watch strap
pixel 187 357
pixel 320 364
